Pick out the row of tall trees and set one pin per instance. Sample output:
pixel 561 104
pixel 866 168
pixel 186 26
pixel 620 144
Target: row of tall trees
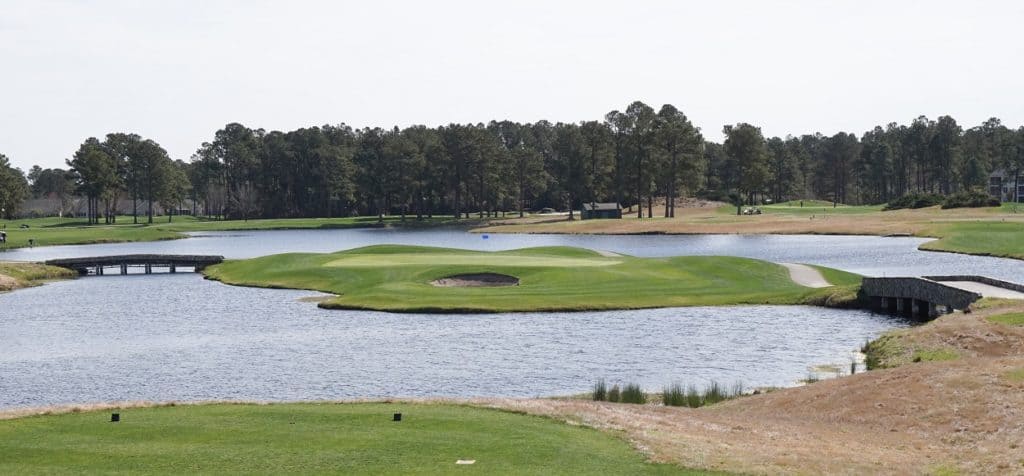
pixel 126 165
pixel 884 163
pixel 633 156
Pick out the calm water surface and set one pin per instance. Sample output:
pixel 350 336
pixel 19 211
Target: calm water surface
pixel 181 337
pixel 868 255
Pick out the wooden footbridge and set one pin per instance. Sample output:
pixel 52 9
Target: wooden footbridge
pixel 927 297
pixel 96 265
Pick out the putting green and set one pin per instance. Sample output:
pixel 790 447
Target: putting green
pixel 476 259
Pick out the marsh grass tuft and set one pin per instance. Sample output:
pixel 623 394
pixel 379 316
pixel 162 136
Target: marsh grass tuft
pixel 614 394
pixel 676 396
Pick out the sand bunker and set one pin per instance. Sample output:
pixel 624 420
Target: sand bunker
pixel 477 280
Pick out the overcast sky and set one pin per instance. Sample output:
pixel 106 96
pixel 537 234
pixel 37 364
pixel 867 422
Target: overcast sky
pixel 177 71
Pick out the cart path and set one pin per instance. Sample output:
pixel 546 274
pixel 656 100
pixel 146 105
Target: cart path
pixel 806 276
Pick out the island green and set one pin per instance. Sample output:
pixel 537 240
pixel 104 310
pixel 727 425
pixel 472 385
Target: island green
pixel 402 278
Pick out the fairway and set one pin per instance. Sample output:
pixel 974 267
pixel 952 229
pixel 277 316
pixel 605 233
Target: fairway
pixel 399 278
pixel 312 438
pixel 477 259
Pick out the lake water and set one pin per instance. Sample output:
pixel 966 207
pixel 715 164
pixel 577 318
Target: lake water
pixel 167 337
pixel 179 337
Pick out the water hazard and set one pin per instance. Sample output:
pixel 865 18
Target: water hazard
pixel 179 337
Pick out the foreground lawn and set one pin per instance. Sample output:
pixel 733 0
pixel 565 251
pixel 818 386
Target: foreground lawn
pixel 312 438
pixel 398 278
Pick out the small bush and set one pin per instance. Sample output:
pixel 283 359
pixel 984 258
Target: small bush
pixel 632 393
pixel 972 199
pixel 600 392
pixel 915 200
pixel 614 395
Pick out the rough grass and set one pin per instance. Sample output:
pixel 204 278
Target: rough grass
pixel 620 282
pixel 1015 375
pixel 19 275
pixel 312 438
pixel 894 349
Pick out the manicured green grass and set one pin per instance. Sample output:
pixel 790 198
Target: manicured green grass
pixel 1005 239
pixel 1010 319
pixel 75 231
pixel 312 439
pixel 398 278
pixel 818 207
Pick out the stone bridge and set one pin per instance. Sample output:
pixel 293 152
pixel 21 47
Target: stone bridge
pixel 96 265
pixel 927 297
pixel 919 298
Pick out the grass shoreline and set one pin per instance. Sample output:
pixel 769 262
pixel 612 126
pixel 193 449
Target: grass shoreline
pixel 996 232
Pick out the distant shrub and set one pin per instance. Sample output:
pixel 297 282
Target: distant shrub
pixel 915 200
pixel 600 392
pixel 614 394
pixel 972 199
pixel 632 393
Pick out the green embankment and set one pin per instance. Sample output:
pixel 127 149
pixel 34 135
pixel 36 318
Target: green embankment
pixel 75 231
pixel 1003 239
pixel 398 278
pixel 312 439
pixel 20 275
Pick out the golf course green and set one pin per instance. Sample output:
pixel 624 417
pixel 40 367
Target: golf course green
pixel 352 438
pixel 400 278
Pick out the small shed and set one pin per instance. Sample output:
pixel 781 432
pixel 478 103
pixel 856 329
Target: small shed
pixel 600 210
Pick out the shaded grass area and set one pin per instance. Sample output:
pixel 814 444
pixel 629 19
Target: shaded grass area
pixel 1009 319
pixel 19 275
pixel 312 438
pixel 75 231
pixel 893 350
pixel 620 282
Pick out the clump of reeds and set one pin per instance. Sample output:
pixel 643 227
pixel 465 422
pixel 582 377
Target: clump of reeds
pixel 632 393
pixel 675 395
pixel 614 395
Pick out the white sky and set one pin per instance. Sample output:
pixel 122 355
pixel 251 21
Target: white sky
pixel 176 71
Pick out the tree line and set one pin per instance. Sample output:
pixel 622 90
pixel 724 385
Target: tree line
pixel 632 156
